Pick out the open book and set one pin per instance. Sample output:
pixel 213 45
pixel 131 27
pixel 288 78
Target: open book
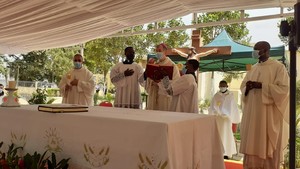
pixel 156 72
pixel 62 108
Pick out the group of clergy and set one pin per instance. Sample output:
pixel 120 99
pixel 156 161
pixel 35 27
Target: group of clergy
pixel 265 91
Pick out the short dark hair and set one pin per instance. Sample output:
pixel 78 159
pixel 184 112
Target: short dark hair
pixel 223 81
pixel 1 84
pixel 127 48
pixel 194 63
pixel 264 44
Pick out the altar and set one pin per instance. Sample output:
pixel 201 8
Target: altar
pixel 115 138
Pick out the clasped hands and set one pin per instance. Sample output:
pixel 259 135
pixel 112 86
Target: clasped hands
pixel 74 82
pixel 252 85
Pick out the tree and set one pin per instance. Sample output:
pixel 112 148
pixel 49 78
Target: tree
pixel 173 39
pixel 28 67
pixel 32 66
pixel 238 31
pixel 59 62
pixel 228 76
pixel 103 53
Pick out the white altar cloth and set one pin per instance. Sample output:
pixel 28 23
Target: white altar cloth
pixel 115 138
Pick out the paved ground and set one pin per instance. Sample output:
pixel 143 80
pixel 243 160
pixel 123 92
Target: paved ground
pixel 238 156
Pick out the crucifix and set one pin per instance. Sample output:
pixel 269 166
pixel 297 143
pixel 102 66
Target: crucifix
pixel 197 50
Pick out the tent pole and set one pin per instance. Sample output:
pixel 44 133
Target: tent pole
pixel 292 142
pixel 293 46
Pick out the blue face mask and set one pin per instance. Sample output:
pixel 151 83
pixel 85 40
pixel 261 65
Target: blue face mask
pixel 159 55
pixel 255 54
pixel 184 70
pixel 77 65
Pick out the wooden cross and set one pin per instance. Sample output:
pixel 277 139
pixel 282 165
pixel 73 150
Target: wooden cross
pixel 222 50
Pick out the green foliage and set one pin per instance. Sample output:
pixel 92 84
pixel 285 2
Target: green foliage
pixel 286 156
pixel 204 105
pixel 238 31
pixel 298 92
pixel 41 65
pixel 60 60
pixel 102 54
pixel 3 70
pixel 35 161
pixel 173 39
pixel 52 92
pixel 29 67
pixel 63 164
pixel 237 136
pixel 228 76
pixel 10 159
pixel 108 97
pixel 40 97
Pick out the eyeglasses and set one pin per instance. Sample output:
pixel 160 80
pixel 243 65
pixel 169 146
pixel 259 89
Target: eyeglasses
pixel 77 60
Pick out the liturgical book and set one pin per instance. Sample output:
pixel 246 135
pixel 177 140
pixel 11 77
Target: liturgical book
pixel 62 108
pixel 156 72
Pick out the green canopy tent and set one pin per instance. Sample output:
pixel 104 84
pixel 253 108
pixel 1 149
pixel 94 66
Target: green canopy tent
pixel 241 55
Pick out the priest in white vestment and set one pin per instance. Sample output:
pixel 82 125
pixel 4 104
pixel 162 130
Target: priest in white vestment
pixel 127 77
pixel 1 93
pixel 157 101
pixel 265 91
pixel 184 89
pixel 78 85
pixel 224 106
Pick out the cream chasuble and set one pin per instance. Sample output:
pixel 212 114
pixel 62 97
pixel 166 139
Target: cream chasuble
pixel 128 93
pixel 263 115
pixel 82 93
pixel 157 101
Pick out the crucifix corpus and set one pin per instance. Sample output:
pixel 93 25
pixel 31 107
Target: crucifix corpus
pixel 196 52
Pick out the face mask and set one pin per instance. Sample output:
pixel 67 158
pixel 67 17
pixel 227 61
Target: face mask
pixel 255 54
pixel 184 70
pixel 1 90
pixel 223 89
pixel 77 65
pixel 159 55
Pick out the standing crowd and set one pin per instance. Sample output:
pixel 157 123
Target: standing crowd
pixel 265 91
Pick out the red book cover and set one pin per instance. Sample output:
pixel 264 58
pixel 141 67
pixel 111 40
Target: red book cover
pixel 156 72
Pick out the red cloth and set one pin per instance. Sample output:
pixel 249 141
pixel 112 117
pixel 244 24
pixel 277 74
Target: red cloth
pixel 233 164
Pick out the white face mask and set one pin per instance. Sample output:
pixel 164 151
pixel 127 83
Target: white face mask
pixel 1 90
pixel 255 54
pixel 223 89
pixel 159 55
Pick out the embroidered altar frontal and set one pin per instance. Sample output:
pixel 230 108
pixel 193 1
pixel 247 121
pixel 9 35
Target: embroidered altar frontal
pixel 114 138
